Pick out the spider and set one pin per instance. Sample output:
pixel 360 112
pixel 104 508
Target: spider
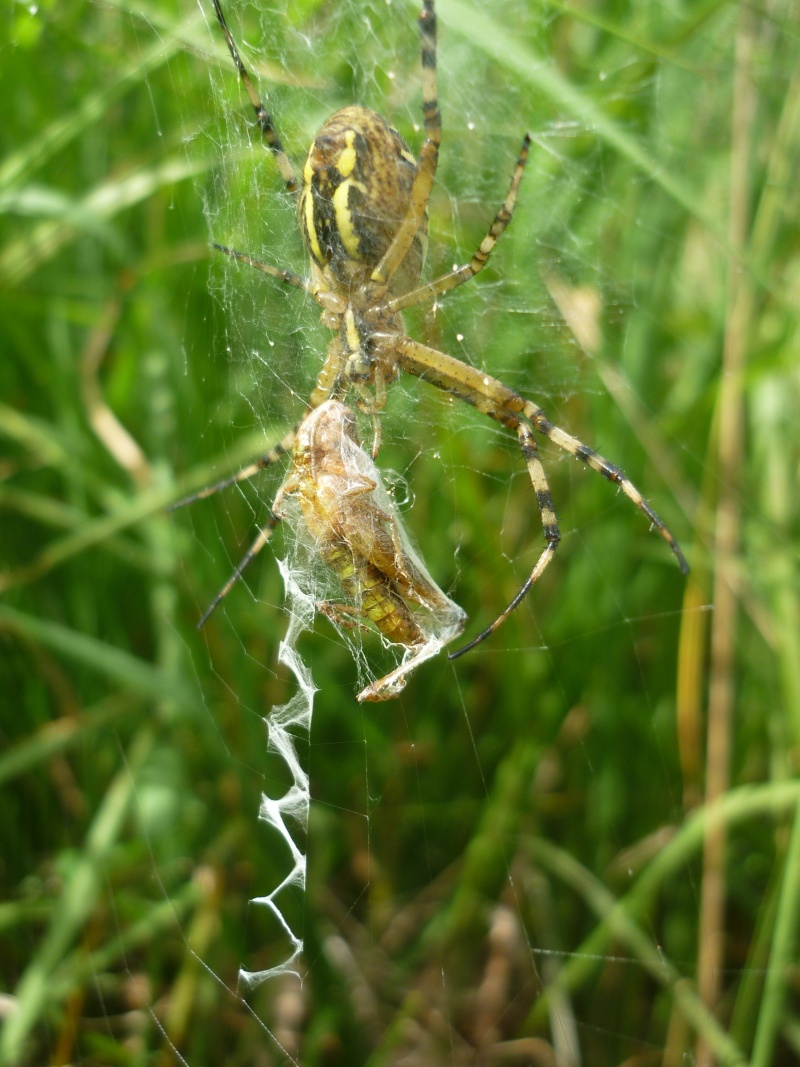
pixel 362 204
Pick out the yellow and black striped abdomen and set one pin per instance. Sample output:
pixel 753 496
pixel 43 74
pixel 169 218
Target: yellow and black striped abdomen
pixel 357 183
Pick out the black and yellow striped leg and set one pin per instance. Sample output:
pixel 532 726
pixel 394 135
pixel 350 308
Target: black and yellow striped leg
pixel 263 118
pixel 428 154
pixel 274 455
pixel 264 534
pixel 460 275
pixel 610 471
pixel 492 398
pixel 552 534
pixel 288 277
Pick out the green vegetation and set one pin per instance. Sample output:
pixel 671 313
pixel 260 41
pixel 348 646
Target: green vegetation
pixel 534 849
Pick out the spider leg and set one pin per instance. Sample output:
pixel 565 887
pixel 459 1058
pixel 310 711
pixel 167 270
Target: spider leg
pixel 610 471
pixel 479 260
pixel 428 154
pixel 267 460
pixel 264 534
pixel 263 118
pixel 372 403
pixel 551 532
pixel 492 398
pixel 286 276
pixel 274 455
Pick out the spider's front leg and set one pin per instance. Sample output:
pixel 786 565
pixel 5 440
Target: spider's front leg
pixel 610 471
pixel 274 455
pixel 492 398
pixel 552 534
pixel 361 359
pixel 268 459
pixel 264 534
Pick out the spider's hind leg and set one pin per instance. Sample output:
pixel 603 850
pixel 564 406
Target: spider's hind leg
pixel 263 118
pixel 428 153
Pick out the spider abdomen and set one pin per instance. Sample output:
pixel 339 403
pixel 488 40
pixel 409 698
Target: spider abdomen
pixel 357 182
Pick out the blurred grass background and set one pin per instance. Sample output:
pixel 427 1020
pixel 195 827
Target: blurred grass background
pixel 581 843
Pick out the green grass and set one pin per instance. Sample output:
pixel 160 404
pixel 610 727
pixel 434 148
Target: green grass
pixel 520 851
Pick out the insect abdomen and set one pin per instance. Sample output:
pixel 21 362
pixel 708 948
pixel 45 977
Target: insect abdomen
pixel 364 584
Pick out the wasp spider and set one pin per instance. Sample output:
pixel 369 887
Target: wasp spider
pixel 362 204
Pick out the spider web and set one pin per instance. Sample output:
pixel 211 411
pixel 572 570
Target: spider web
pixel 554 298
pixel 506 863
pixel 273 336
pixel 274 341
